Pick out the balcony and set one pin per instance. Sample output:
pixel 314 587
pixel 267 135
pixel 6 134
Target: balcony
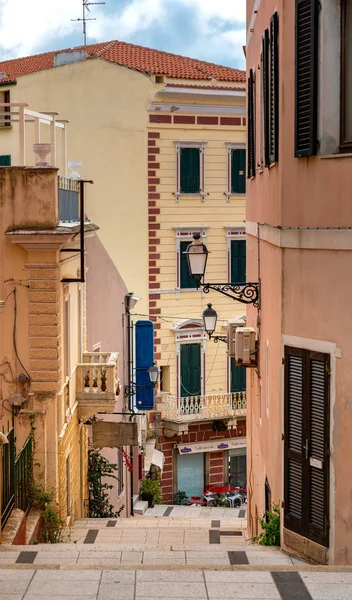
pixel 180 412
pixel 96 383
pixel 68 200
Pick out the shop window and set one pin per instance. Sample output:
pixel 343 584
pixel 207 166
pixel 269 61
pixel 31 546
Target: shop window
pixel 238 467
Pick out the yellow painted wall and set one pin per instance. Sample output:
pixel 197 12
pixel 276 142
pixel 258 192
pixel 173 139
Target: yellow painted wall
pixel 216 214
pixel 107 109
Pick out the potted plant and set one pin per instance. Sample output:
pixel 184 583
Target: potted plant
pixel 150 490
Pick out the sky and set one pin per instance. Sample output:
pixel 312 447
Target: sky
pixel 212 30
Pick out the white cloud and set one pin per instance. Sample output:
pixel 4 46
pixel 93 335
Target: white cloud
pixel 29 26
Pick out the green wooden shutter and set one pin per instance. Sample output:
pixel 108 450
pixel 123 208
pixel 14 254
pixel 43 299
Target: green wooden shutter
pixel 190 170
pixel 186 280
pixel 238 171
pixel 238 377
pixel 5 160
pixel 274 89
pixel 238 261
pixel 190 370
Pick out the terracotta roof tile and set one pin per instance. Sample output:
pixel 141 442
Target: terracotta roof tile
pixel 131 56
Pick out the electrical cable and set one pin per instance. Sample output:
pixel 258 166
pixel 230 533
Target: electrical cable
pixel 14 337
pixel 169 317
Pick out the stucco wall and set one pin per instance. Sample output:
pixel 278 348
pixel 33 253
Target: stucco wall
pixel 107 132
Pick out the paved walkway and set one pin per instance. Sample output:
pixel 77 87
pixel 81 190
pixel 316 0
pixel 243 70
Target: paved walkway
pixel 162 557
pixel 129 584
pixel 196 512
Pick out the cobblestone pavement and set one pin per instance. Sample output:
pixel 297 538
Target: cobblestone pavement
pixel 164 557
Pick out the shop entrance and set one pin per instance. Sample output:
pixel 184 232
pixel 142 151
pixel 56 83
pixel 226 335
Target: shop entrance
pixel 190 474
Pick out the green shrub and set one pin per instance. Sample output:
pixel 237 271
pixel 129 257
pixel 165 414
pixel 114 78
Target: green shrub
pixel 151 485
pixel 270 535
pixel 180 498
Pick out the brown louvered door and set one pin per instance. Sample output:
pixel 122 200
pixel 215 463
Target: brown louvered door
pixel 306 476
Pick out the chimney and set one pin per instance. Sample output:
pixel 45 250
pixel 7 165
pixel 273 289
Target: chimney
pixel 71 56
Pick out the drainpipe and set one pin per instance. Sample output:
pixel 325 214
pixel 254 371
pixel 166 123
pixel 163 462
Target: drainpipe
pixel 3 440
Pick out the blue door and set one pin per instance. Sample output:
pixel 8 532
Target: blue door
pixel 190 474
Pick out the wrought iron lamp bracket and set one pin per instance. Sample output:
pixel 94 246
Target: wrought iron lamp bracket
pixel 218 338
pixel 247 293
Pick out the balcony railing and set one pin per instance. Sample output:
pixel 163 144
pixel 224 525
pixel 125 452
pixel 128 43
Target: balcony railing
pixel 96 383
pixel 202 408
pixel 68 198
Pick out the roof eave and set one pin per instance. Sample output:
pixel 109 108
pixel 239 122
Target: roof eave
pixel 199 93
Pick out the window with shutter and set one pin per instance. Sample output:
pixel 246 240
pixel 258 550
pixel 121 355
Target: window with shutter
pixel 5 117
pixel 307 444
pixel 238 171
pixel 190 370
pixel 306 85
pixel 251 126
pixel 265 80
pixel 274 90
pixel 346 75
pixel 186 280
pixel 5 160
pixel 190 170
pixel 238 261
pixel 238 377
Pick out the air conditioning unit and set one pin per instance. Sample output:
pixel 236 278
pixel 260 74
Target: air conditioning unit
pixel 245 347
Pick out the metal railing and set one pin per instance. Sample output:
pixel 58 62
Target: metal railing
pixel 68 199
pixel 8 477
pixel 16 472
pixel 197 408
pixel 23 466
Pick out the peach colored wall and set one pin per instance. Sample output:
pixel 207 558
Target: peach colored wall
pixel 305 292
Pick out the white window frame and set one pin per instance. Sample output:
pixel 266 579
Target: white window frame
pixel 67 334
pixel 184 234
pixel 191 336
pixel 201 146
pixel 267 377
pixel 233 233
pixel 232 146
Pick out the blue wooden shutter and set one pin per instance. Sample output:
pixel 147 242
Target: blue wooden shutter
pixel 190 370
pixel 306 85
pixel 238 261
pixel 5 160
pixel 238 171
pixel 144 359
pixel 190 170
pixel 186 280
pixel 238 377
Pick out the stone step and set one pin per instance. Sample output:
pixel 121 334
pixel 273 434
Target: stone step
pixel 140 507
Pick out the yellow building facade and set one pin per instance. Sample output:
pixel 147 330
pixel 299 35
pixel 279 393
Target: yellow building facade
pixel 163 137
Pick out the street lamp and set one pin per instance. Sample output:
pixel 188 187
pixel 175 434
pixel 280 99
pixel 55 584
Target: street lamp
pixel 210 317
pixel 153 372
pixel 197 256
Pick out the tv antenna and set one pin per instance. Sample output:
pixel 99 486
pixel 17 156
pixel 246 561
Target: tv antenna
pixel 85 7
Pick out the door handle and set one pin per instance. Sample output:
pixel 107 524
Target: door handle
pixel 306 448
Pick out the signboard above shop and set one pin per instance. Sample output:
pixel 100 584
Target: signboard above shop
pixel 212 446
pixel 114 435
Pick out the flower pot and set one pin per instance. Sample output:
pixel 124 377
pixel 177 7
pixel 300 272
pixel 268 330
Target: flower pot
pixel 148 498
pixel 42 150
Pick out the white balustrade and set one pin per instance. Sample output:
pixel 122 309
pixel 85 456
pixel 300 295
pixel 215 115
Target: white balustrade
pixel 198 408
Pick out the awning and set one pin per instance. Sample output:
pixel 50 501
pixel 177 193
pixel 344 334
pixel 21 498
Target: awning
pixel 212 446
